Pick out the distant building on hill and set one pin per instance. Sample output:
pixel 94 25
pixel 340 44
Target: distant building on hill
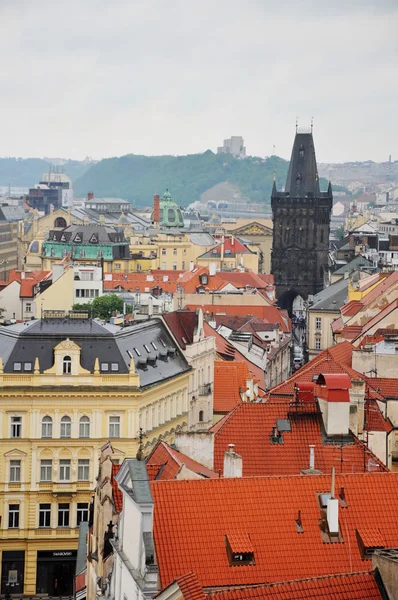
pixel 234 145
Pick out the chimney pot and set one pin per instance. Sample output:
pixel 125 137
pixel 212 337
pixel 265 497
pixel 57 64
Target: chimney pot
pixel 231 448
pixel 90 195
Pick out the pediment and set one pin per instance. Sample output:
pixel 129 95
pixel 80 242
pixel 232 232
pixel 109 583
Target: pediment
pixel 253 228
pixel 67 345
pixel 15 452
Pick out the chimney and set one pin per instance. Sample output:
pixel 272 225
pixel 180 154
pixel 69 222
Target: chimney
pixel 90 196
pixel 156 211
pixel 222 249
pixel 191 265
pixel 334 402
pixel 250 388
pixel 212 269
pixel 312 457
pixel 233 241
pixel 232 463
pixel 332 511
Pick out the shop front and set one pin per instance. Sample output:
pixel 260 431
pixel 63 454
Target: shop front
pixel 12 571
pixel 55 572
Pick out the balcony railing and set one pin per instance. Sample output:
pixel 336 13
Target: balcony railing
pixel 205 390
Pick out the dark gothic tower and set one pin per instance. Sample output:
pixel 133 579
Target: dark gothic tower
pixel 301 217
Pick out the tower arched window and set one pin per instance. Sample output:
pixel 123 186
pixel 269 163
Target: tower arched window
pixel 66 425
pixel 67 365
pixel 84 427
pixel 47 427
pixel 201 416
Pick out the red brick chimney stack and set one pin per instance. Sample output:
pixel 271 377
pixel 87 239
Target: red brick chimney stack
pixel 90 196
pixel 156 210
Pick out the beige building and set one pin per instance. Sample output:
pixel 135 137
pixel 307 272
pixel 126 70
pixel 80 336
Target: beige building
pixel 67 385
pixel 259 233
pixel 321 313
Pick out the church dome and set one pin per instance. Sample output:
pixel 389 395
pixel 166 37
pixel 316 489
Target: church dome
pixel 170 214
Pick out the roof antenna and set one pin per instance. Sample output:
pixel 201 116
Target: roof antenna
pixel 296 124
pixel 312 124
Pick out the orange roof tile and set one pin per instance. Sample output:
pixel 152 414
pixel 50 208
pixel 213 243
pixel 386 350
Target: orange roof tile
pixel 371 537
pixel 190 587
pixel 350 586
pixel 386 386
pixel 270 314
pixel 267 509
pixel 374 418
pixel 249 426
pixel 229 379
pixel 116 491
pixel 165 463
pixel 239 542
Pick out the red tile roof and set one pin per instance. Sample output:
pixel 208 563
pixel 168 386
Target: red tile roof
pixel 239 542
pixel 336 359
pixel 182 324
pixel 391 308
pixel 386 386
pixel 229 379
pixel 349 586
pixel 190 587
pixel 241 279
pixel 28 280
pixel 231 249
pixel 116 491
pixel 138 281
pixel 165 463
pixel 374 418
pixel 269 314
pixel 372 537
pixel 193 517
pixel 249 426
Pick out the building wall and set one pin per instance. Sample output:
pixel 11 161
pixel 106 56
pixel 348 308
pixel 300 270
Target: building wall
pixel 364 361
pixel 323 333
pixel 201 356
pixel 10 301
pixel 8 248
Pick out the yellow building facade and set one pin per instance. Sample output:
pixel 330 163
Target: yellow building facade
pixel 53 422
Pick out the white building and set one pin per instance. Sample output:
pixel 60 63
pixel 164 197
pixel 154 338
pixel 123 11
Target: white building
pixel 234 145
pixel 135 574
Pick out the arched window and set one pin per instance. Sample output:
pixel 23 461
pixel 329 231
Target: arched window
pixel 52 253
pixel 321 272
pixel 201 416
pixel 99 254
pixel 47 427
pixel 67 365
pixel 82 254
pixel 64 252
pixel 60 222
pixel 84 427
pixel 65 427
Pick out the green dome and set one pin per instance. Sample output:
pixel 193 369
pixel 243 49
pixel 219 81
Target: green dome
pixel 170 214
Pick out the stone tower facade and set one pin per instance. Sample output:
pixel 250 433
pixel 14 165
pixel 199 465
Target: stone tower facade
pixel 301 217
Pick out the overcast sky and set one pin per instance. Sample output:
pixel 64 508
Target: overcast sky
pixel 105 78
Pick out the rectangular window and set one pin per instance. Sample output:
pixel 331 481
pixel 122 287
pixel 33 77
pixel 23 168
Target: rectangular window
pixel 28 307
pixel 104 367
pixel 17 366
pixel 15 471
pixel 44 515
pixel 13 516
pixel 317 344
pixel 46 470
pixel 174 266
pixel 83 469
pixel 318 323
pixel 63 515
pixel 163 266
pixel 82 512
pixel 174 251
pixel 114 427
pixel 117 266
pixel 16 427
pixel 163 251
pixel 114 366
pixel 77 293
pixel 27 366
pixel 64 470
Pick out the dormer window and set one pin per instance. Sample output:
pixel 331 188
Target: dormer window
pixel 67 365
pixel 239 549
pixel 369 539
pixel 203 279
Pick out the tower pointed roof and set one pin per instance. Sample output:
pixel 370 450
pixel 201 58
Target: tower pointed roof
pixel 302 178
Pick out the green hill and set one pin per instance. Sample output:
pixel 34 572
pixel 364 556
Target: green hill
pixel 137 178
pixel 26 172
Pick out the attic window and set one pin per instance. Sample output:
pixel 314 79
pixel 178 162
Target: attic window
pixel 283 425
pixel 104 367
pixel 138 353
pixel 17 366
pixel 315 378
pixel 228 251
pixel 27 366
pixel 147 348
pixel 276 437
pixel 163 344
pixel 369 540
pixel 114 366
pixel 240 550
pixel 154 346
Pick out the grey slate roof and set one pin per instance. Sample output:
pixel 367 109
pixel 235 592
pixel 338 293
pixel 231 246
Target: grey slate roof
pixel 109 343
pixel 11 213
pixel 358 261
pixel 99 234
pixel 332 297
pixel 303 165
